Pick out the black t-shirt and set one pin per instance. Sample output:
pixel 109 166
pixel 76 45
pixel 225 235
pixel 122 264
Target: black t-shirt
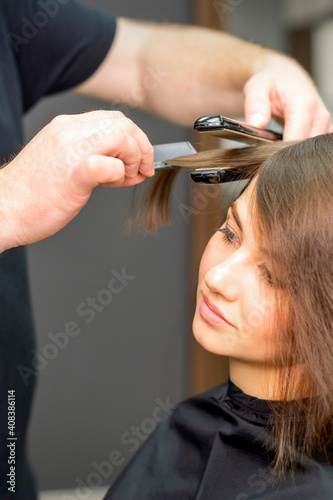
pixel 212 447
pixel 47 46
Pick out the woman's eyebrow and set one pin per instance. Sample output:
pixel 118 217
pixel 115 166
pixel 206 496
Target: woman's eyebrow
pixel 234 212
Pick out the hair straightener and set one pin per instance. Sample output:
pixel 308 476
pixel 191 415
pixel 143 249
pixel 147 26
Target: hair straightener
pixel 234 130
pixel 228 129
pixel 221 127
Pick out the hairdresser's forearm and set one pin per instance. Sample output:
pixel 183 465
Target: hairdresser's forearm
pixel 174 71
pixel 189 71
pixel 183 72
pixel 207 72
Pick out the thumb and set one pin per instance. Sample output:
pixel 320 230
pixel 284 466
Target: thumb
pixel 257 105
pixel 96 170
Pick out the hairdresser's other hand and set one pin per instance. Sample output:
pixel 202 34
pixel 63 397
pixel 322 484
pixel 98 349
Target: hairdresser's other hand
pixel 183 72
pixel 51 179
pixel 281 87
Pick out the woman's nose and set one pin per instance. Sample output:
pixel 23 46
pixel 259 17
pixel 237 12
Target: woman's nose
pixel 224 278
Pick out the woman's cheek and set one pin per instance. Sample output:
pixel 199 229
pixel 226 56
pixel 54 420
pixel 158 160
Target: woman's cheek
pixel 256 308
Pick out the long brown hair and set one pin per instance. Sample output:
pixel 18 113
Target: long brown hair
pixel 293 210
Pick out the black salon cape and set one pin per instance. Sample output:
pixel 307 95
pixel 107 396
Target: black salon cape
pixel 45 47
pixel 211 447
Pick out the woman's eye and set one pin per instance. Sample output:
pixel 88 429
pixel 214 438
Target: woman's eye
pixel 228 236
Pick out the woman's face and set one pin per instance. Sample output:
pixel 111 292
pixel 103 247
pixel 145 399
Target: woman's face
pixel 235 298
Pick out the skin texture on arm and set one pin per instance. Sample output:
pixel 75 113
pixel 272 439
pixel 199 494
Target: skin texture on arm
pixel 182 72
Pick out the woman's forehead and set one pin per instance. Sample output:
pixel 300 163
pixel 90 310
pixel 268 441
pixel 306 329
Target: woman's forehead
pixel 241 208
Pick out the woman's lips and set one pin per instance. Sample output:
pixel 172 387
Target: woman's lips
pixel 211 313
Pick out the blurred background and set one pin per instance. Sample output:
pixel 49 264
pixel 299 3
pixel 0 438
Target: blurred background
pixel 97 397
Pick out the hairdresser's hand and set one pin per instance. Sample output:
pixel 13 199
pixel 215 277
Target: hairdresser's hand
pixel 281 87
pixel 51 179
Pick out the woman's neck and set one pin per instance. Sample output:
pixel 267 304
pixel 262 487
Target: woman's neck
pixel 253 378
pixel 259 380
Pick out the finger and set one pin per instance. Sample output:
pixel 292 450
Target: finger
pixel 127 149
pixel 111 133
pixel 146 166
pixel 102 165
pixel 298 123
pixel 257 105
pixel 137 155
pixel 126 182
pixel 131 145
pixel 94 171
pixel 321 122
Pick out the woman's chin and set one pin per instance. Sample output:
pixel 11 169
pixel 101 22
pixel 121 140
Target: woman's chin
pixel 203 334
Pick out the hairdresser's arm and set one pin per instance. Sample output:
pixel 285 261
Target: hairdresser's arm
pixel 51 179
pixel 182 72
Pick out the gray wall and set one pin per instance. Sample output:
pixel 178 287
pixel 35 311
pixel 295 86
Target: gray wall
pixel 134 351
pixel 261 22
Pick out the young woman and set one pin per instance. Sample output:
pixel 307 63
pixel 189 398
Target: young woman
pixel 265 299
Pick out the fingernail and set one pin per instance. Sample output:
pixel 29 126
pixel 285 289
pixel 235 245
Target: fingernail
pixel 256 119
